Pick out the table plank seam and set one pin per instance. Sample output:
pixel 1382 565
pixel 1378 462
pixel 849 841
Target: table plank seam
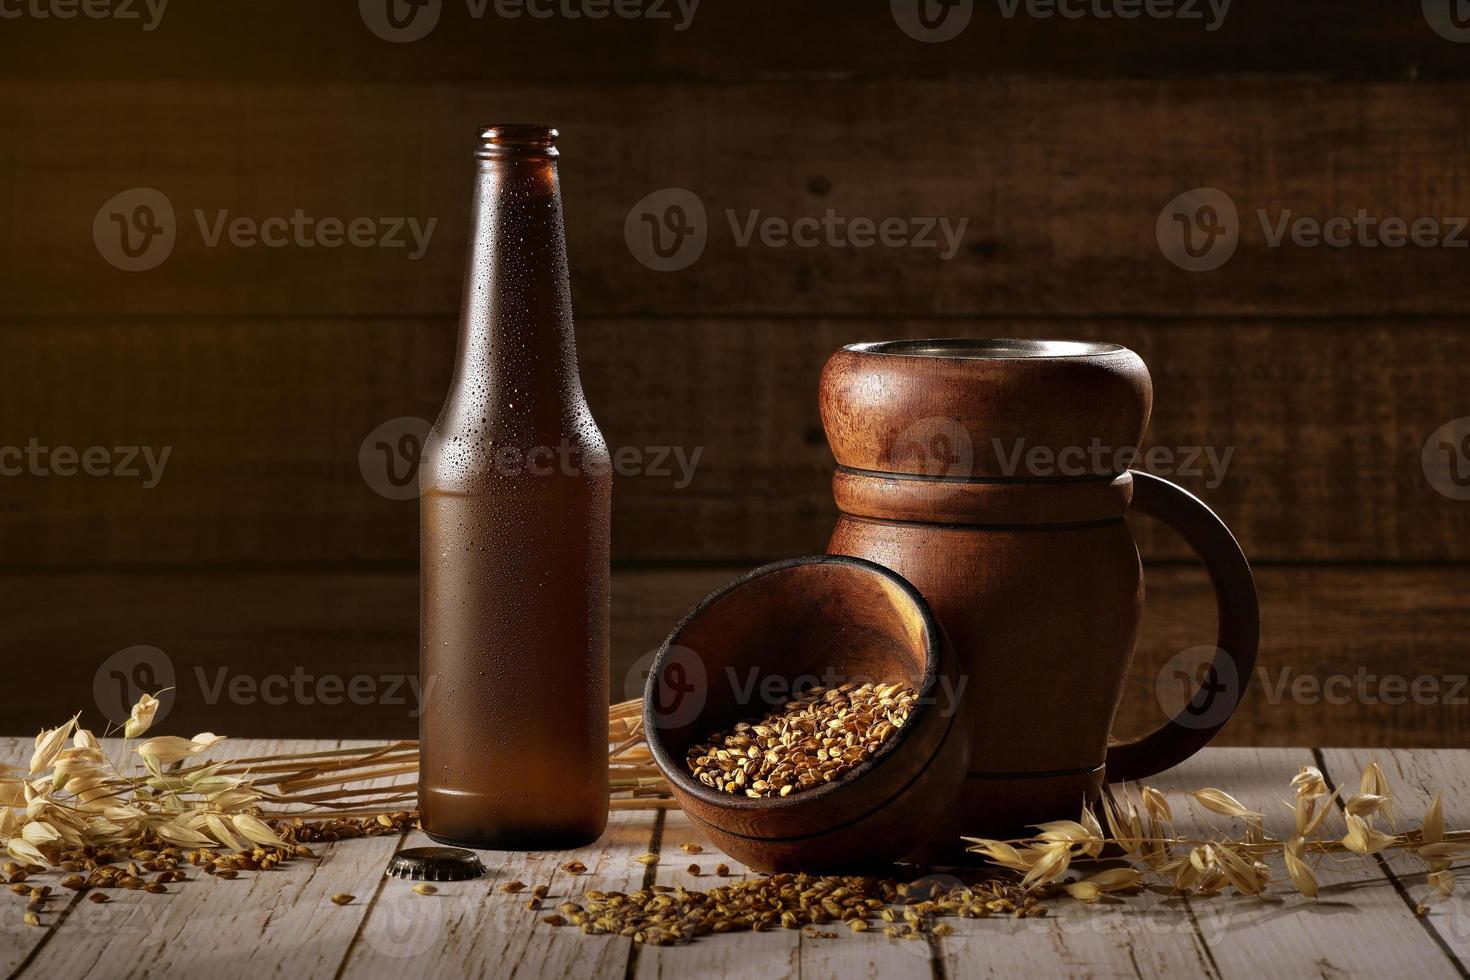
pixel 51 930
pixel 650 876
pixel 936 957
pixel 366 915
pixel 1204 953
pixel 1393 879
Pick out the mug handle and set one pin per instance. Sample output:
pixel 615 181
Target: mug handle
pixel 1230 670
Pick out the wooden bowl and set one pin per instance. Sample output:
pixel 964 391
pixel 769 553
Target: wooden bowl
pixel 824 619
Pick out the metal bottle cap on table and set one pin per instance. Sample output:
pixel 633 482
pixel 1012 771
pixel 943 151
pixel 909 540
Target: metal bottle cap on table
pixel 436 864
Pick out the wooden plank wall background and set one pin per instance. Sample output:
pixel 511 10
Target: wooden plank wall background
pixel 264 552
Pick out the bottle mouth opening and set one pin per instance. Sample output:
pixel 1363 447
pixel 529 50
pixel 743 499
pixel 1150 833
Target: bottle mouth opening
pixel 518 138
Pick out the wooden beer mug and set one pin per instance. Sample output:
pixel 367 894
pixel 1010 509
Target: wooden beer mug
pixel 992 474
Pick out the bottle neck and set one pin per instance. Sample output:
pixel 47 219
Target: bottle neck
pixel 516 330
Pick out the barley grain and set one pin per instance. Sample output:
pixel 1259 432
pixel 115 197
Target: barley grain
pixel 808 741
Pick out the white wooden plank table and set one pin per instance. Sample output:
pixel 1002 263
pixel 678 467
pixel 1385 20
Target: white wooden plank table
pixel 283 923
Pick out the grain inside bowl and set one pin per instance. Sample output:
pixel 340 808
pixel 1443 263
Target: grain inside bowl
pixel 809 740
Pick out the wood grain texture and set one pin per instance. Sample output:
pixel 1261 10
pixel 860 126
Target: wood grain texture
pixel 222 628
pixel 288 924
pixel 1316 427
pixel 1289 935
pixel 472 928
pixel 1415 779
pixel 771 953
pixel 1360 926
pixel 1059 221
pixel 276 651
pixel 280 39
pixel 292 925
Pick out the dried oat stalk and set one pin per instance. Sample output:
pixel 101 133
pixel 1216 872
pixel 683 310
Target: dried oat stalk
pixel 1143 829
pixel 172 792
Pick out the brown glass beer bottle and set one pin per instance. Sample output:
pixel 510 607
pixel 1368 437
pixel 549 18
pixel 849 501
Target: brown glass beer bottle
pixel 515 506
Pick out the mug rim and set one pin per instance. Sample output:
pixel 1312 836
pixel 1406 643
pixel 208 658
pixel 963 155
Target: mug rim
pixel 988 348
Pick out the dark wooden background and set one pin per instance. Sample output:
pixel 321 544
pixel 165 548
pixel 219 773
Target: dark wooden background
pixel 263 551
